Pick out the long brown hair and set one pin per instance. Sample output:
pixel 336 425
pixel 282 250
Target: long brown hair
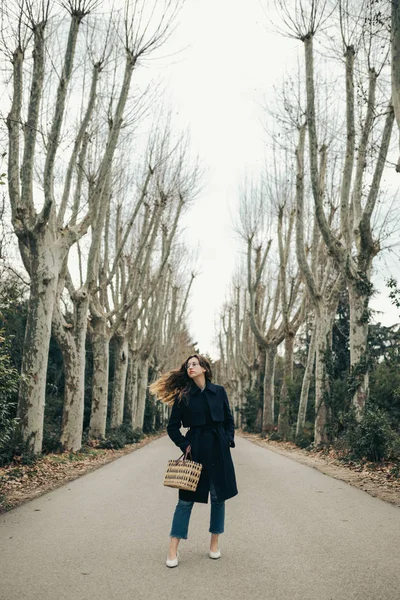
pixel 176 384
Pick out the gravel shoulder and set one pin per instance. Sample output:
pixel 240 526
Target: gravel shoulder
pixel 376 480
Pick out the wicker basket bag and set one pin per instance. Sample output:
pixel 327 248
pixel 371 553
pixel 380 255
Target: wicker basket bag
pixel 183 474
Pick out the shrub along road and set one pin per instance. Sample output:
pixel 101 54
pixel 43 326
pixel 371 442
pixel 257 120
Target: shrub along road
pixel 292 533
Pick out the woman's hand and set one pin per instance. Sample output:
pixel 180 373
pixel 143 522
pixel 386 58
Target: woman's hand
pixel 188 449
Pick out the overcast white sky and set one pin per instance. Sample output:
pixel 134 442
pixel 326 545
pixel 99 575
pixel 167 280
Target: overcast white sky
pixel 217 86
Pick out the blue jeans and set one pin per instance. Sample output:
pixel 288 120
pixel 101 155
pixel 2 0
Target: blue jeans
pixel 183 510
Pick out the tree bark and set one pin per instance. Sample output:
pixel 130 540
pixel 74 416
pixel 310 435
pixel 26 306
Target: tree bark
pixel 307 378
pixel 100 342
pixel 72 345
pixel 269 392
pixel 395 64
pixel 283 417
pixel 131 389
pixel 323 346
pixel 120 374
pixel 359 363
pixel 259 376
pixel 241 389
pixel 142 382
pixel 43 287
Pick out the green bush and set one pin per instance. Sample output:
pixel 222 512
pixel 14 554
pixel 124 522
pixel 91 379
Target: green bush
pixel 52 423
pixel 51 438
pixel 22 452
pixel 28 457
pixel 250 409
pixel 120 436
pixel 8 403
pixel 85 439
pixel 132 436
pixel 385 390
pixel 372 438
pixel 394 452
pixel 305 437
pixel 114 440
pixel 6 455
pixel 338 405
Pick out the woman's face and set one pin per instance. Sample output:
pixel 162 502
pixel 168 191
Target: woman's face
pixel 193 367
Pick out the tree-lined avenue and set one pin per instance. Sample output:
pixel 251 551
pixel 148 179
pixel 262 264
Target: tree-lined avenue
pixel 292 533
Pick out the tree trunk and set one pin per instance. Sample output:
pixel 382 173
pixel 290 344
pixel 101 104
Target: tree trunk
pixel 100 340
pixel 269 392
pixel 31 400
pixel 240 401
pixel 359 376
pixel 74 392
pixel 72 345
pixel 307 377
pixel 234 398
pixel 395 64
pixel 165 414
pixel 323 345
pixel 259 382
pixel 131 389
pixel 120 372
pixel 154 416
pixel 142 382
pixel 283 419
pixel 253 379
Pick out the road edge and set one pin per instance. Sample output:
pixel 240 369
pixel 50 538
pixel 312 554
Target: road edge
pixel 362 481
pixel 11 502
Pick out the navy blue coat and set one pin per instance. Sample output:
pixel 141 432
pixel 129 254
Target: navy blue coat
pixel 216 458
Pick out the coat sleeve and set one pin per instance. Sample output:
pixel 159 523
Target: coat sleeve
pixel 174 427
pixel 229 423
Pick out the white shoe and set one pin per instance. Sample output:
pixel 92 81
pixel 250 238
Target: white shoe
pixel 216 554
pixel 173 562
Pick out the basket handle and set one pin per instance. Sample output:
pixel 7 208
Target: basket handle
pixel 184 456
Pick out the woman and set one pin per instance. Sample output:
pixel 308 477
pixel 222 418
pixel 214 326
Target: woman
pixel 204 408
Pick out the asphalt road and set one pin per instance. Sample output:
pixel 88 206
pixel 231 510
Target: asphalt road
pixel 292 533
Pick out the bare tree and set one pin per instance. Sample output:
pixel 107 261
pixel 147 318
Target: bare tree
pixel 44 238
pixel 43 244
pixel 354 247
pixel 141 289
pixel 274 307
pixel 323 285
